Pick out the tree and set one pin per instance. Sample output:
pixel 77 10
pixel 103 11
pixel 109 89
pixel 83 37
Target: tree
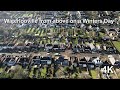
pixel 19 73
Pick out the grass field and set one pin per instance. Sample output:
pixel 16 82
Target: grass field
pixel 1 70
pixel 94 74
pixel 31 73
pixel 117 45
pixel 43 72
pixel 101 34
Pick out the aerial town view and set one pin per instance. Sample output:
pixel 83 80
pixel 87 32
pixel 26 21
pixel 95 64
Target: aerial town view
pixel 59 44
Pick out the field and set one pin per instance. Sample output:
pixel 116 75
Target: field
pixel 94 74
pixel 117 45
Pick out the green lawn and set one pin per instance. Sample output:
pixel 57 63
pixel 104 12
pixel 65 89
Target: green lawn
pixel 97 43
pixel 76 41
pixel 1 70
pixel 76 76
pixel 27 15
pixel 37 73
pixel 33 29
pixel 43 72
pixel 94 74
pixel 36 31
pixel 42 33
pixel 48 40
pixel 28 31
pixel 39 32
pixel 101 34
pixel 117 45
pixel 31 73
pixel 63 40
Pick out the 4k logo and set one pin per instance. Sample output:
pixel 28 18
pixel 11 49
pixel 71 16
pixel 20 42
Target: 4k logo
pixel 107 69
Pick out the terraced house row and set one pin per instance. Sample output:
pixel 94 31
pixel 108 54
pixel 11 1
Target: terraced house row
pixel 55 62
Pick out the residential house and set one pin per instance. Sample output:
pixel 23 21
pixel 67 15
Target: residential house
pixel 87 49
pixel 83 63
pixel 97 61
pixel 118 33
pixel 92 47
pixel 19 45
pixel 3 46
pixel 59 60
pixel 11 46
pixel 117 64
pixel 24 61
pixel 36 60
pixel 48 47
pixel 98 47
pixel 91 65
pixel 65 62
pixel 46 60
pixel 105 63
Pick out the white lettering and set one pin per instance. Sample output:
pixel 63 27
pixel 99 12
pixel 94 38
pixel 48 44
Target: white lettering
pixel 107 69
